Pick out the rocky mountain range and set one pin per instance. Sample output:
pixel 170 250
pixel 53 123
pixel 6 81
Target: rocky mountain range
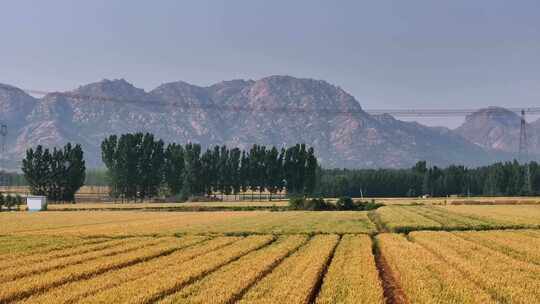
pixel 498 129
pixel 277 110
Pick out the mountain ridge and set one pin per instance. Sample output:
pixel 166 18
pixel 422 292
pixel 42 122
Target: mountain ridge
pixel 283 110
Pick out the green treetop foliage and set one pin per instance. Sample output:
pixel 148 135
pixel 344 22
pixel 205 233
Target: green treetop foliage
pixel 58 174
pixel 499 179
pixel 139 165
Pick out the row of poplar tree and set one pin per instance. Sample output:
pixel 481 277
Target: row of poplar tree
pixel 141 166
pixel 57 173
pixel 504 178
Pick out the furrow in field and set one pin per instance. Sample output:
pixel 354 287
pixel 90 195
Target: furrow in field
pixel 73 292
pixel 171 279
pixel 38 267
pixel 508 280
pixel 424 277
pixel 295 278
pixel 352 276
pixel 228 283
pixel 27 286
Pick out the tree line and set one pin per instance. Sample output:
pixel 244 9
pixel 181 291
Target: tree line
pixel 9 201
pixel 57 173
pixel 141 166
pixel 499 179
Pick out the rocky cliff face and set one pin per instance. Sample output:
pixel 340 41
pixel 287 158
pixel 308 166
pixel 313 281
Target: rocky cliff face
pixel 277 110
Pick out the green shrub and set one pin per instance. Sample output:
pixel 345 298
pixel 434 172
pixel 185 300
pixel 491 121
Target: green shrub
pixel 9 202
pixel 345 203
pixel 316 204
pixel 296 203
pixel 365 206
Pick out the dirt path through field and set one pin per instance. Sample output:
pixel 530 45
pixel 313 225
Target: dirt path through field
pixel 392 291
pixel 393 294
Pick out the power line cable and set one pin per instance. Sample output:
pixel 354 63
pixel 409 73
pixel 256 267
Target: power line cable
pixel 404 113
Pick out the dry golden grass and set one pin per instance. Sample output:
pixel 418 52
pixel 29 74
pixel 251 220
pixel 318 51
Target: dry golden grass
pixel 424 277
pixel 352 276
pixel 171 279
pixel 506 279
pixel 229 282
pixel 294 280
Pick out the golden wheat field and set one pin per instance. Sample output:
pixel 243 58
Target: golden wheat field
pixel 193 269
pixel 134 223
pixel 457 217
pixel 395 254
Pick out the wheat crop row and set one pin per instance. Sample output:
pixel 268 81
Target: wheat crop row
pixel 171 279
pixel 491 217
pixel 26 286
pixel 352 276
pixel 16 246
pixel 37 267
pixel 228 283
pixel 506 279
pixel 294 280
pixel 72 292
pixel 404 218
pixel 520 216
pixel 424 277
pixel 519 244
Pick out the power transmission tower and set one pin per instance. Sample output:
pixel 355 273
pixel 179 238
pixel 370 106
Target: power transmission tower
pixel 524 153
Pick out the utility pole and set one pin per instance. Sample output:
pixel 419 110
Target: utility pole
pixel 3 171
pixel 524 153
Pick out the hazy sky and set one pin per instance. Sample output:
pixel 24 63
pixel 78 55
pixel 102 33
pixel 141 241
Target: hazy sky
pixel 388 54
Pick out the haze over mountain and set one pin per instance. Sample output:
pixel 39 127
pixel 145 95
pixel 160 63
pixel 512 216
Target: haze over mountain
pixel 283 110
pixel 499 129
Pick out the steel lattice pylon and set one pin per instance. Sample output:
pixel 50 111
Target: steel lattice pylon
pixel 523 142
pixel 524 153
pixel 3 176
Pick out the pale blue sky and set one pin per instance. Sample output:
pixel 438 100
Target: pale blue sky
pixel 388 54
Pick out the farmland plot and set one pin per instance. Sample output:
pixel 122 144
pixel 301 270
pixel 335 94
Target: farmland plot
pixel 294 281
pixel 193 269
pixel 133 223
pixel 448 218
pixel 272 257
pixel 458 267
pixel 352 276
